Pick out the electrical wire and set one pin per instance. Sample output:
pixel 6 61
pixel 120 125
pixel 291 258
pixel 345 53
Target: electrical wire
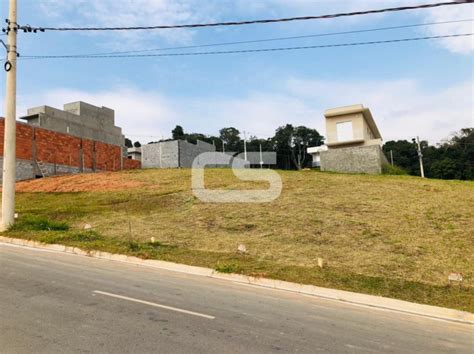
pixel 250 22
pixel 282 38
pixel 37 57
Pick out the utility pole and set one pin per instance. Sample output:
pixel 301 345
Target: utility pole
pixel 245 147
pixel 261 159
pixel 391 156
pixel 420 157
pixel 9 150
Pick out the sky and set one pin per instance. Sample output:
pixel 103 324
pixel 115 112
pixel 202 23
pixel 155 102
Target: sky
pixel 416 88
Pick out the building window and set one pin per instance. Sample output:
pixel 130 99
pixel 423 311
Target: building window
pixel 344 131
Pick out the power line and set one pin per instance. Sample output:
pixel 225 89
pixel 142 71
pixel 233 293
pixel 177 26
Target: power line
pixel 283 38
pixel 36 57
pixel 248 22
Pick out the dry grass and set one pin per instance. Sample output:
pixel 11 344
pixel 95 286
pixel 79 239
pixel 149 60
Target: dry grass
pixel 386 227
pixel 104 181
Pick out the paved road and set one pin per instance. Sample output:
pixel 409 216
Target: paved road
pixel 59 303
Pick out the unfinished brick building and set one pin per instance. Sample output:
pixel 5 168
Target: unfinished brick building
pixel 80 138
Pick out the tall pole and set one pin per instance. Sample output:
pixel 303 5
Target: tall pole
pixel 9 150
pixel 261 159
pixel 245 147
pixel 391 156
pixel 420 157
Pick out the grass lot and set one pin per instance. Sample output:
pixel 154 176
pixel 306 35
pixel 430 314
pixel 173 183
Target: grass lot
pixel 395 236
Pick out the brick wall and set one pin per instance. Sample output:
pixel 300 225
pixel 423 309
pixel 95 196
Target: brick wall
pixel 129 164
pixel 49 147
pixel 108 157
pixel 24 138
pixel 88 153
pixel 57 148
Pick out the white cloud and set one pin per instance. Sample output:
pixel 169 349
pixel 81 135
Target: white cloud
pixel 461 45
pixel 115 13
pixel 136 111
pixel 401 108
pixel 147 12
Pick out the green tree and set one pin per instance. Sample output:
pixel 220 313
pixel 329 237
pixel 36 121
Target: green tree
pixel 404 155
pixel 446 169
pixel 453 159
pixel 178 133
pixel 231 137
pixel 291 144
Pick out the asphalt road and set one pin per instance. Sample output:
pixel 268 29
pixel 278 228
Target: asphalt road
pixel 60 303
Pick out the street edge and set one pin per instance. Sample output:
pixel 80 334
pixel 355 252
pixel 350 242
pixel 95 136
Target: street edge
pixel 379 302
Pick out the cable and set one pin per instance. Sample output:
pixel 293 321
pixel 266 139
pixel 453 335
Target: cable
pixel 281 38
pixel 36 57
pixel 250 22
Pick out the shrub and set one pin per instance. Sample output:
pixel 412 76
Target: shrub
pixel 227 268
pixel 36 223
pixel 388 169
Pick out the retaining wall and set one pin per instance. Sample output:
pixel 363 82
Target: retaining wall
pixel 362 159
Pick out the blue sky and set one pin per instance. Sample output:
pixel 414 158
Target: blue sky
pixel 419 88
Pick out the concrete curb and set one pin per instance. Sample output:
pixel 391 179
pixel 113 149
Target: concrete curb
pixel 379 302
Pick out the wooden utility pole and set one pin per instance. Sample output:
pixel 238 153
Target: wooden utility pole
pixel 9 150
pixel 420 157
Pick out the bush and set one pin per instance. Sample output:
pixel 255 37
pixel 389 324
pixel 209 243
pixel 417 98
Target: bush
pixel 36 223
pixel 226 267
pixel 388 169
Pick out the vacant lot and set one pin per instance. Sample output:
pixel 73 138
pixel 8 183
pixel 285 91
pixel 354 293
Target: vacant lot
pixel 395 236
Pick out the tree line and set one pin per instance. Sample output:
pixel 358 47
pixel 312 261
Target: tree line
pixel 289 142
pixel 452 159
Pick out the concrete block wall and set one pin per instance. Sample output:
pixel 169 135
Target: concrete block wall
pixel 188 151
pixel 25 169
pixel 173 154
pixel 161 155
pixel 180 153
pixel 61 153
pixel 363 159
pixel 80 119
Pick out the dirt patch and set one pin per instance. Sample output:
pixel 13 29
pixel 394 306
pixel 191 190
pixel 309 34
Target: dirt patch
pixel 88 182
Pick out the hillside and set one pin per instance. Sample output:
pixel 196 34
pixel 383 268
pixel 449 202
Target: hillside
pixel 395 236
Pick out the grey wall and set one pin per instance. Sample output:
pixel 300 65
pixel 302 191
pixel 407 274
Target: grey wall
pixel 188 152
pixel 79 119
pixel 161 155
pixel 26 169
pixel 173 154
pixel 364 159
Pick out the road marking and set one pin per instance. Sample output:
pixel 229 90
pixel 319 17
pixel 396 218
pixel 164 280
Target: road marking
pixel 154 304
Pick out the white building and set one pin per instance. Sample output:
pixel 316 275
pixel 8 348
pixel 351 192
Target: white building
pixel 315 152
